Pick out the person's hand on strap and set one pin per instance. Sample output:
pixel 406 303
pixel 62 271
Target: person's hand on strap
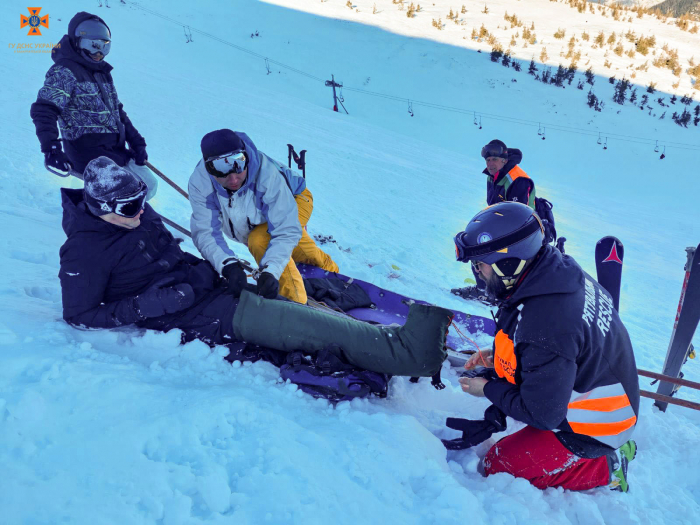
pixel 268 286
pixel 236 277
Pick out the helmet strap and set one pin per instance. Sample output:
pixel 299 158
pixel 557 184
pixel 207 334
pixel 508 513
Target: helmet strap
pixel 510 279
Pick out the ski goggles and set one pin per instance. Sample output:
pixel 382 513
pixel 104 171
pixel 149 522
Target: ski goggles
pixel 129 206
pixel 94 45
pixel 494 150
pixel 224 165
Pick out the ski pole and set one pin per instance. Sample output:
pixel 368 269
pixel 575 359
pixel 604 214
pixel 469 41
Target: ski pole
pixel 175 226
pixel 168 180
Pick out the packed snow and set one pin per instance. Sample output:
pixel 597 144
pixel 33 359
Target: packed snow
pixel 128 426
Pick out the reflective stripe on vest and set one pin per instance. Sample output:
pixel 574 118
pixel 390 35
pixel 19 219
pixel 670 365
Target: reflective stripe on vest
pixel 513 174
pixel 604 413
pixel 505 361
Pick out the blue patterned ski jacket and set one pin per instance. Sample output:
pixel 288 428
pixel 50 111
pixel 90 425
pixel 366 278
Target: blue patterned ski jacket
pixel 79 95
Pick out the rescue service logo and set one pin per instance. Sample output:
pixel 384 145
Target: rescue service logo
pixel 33 21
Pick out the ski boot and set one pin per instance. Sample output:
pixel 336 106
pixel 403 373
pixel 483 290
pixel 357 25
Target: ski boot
pixel 618 462
pixel 472 293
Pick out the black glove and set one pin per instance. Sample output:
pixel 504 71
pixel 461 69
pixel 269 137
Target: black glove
pixel 268 286
pixel 57 159
pixel 475 431
pixel 161 299
pixel 140 155
pixel 235 275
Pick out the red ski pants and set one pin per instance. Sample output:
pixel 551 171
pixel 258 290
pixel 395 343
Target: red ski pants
pixel 539 457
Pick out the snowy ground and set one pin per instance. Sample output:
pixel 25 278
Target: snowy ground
pixel 128 427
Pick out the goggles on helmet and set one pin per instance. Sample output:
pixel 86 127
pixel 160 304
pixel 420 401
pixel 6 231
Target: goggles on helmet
pixel 224 165
pixel 95 45
pixel 128 206
pixel 494 150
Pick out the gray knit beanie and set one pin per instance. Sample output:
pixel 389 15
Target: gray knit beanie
pixel 105 181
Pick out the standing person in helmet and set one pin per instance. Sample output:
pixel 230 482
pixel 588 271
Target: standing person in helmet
pixel 79 95
pixel 506 181
pixel 562 360
pixel 238 191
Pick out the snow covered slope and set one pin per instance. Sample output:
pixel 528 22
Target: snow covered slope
pixel 127 426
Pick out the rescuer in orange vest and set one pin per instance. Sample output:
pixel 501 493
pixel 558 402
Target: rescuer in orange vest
pixel 562 361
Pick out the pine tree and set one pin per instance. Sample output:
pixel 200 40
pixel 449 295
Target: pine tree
pixel 589 76
pixel 533 68
pixel 621 91
pixel 592 99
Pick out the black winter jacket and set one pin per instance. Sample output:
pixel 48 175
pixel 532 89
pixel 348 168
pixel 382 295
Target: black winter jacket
pixel 80 96
pixel 104 267
pixel 565 359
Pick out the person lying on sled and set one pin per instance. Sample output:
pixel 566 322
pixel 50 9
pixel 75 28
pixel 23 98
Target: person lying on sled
pixel 121 266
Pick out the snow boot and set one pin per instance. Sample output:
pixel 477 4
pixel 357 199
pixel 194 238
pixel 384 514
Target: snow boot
pixel 473 293
pixel 618 462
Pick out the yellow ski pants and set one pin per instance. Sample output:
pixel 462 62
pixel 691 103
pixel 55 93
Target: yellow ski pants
pixel 291 283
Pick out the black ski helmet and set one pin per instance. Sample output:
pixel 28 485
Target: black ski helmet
pixel 504 236
pixel 92 36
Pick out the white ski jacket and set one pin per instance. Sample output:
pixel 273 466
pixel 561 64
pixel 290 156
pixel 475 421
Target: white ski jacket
pixel 267 196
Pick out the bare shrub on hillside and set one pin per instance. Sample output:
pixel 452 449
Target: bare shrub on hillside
pixel 486 10
pixel 514 21
pixel 585 36
pixel 561 33
pixel 543 55
pixel 644 44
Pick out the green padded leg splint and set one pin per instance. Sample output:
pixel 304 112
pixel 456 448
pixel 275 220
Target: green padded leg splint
pixel 416 349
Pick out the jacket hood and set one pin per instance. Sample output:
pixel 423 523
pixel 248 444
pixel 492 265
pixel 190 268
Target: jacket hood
pixel 253 156
pixel 515 157
pixel 76 218
pixel 552 273
pixel 66 49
